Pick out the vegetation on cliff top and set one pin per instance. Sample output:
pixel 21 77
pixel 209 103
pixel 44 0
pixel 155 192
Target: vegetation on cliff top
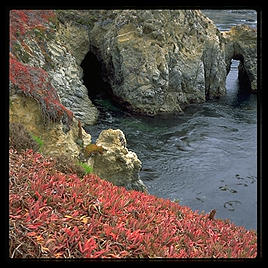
pixel 30 80
pixel 57 215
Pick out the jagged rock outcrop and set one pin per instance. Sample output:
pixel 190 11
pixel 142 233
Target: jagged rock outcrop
pixel 117 164
pixel 160 60
pixel 241 44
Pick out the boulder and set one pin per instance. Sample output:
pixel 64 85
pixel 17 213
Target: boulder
pixel 116 163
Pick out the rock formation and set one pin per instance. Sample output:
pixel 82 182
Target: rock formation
pixel 158 61
pixel 241 44
pixel 117 164
pixel 155 61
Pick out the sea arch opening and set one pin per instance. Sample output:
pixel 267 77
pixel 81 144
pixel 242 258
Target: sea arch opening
pixel 97 77
pixel 242 73
pixel 238 84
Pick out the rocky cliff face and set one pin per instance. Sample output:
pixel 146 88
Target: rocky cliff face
pixel 38 47
pixel 158 61
pixel 155 61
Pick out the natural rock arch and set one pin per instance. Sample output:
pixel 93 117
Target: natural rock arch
pixel 151 66
pixel 241 44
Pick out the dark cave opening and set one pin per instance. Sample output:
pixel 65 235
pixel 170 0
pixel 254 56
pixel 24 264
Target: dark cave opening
pixel 93 77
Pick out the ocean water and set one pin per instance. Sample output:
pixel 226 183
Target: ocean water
pixel 207 157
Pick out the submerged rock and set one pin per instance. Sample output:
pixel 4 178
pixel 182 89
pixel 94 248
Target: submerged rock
pixel 116 163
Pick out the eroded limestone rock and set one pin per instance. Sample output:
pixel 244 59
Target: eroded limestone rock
pixel 117 164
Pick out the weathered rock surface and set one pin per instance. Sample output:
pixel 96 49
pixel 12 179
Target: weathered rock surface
pixel 40 41
pixel 117 164
pixel 27 111
pixel 160 60
pixel 241 44
pixel 156 61
pixel 68 50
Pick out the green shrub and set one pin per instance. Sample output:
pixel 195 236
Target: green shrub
pixel 88 169
pixel 20 139
pixel 38 141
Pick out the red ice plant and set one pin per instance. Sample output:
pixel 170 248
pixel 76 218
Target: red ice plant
pixel 22 21
pixel 57 215
pixel 34 81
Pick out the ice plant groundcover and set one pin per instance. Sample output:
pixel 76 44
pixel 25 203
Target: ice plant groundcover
pixel 56 215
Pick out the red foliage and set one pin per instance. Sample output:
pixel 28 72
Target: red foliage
pixel 33 81
pixel 58 215
pixel 22 21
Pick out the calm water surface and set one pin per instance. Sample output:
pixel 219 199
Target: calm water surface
pixel 206 158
